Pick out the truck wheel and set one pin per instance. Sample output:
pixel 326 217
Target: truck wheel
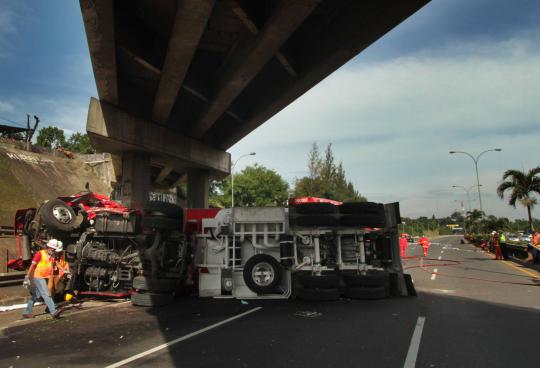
pixel 167 209
pixel 148 299
pixel 262 273
pixel 315 220
pixel 157 286
pixel 317 294
pixel 370 279
pixel 57 216
pixel 162 223
pixel 317 208
pixel 366 293
pixel 351 208
pixel 319 282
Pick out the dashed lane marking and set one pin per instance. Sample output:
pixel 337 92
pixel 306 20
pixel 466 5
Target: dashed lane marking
pixel 434 274
pixel 412 354
pixel 180 339
pixel 439 258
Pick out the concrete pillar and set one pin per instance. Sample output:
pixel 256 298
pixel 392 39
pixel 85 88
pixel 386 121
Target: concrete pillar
pixel 198 188
pixel 135 182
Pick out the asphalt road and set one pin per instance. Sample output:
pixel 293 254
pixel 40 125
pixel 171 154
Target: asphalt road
pixel 472 311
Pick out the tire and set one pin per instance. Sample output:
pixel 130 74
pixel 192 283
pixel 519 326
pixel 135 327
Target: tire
pixel 161 223
pixel 319 282
pixel 370 279
pixel 366 293
pixel 157 286
pixel 366 220
pixel 148 299
pixel 318 294
pixel 167 209
pixel 411 290
pixel 262 273
pixel 57 216
pixel 317 208
pixel 353 208
pixel 315 220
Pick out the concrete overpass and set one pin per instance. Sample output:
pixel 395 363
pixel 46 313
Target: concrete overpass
pixel 181 81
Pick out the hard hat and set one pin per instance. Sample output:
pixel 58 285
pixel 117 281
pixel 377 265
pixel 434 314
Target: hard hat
pixel 57 245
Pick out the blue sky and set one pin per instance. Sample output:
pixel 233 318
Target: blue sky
pixel 457 75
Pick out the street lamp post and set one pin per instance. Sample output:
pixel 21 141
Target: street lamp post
pixel 475 159
pixel 467 190
pixel 232 175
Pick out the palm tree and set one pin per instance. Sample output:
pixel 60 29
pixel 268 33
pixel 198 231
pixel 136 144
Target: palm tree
pixel 472 218
pixel 522 185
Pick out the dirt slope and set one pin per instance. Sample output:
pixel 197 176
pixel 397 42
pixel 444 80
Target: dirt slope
pixel 27 179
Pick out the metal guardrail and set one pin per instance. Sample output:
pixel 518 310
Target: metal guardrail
pixel 12 278
pixel 6 230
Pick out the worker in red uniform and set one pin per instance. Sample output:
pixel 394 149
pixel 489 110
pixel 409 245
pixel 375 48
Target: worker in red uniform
pixel 424 243
pixel 403 244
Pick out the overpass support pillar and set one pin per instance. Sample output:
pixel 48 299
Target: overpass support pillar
pixel 135 183
pixel 198 188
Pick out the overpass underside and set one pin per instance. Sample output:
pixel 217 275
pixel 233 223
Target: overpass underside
pixel 181 81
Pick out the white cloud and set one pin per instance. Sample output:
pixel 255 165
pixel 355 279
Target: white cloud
pixel 5 106
pixel 393 123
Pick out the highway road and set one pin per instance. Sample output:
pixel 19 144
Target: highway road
pixel 471 311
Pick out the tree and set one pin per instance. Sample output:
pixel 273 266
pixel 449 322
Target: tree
pixel 51 137
pixel 472 219
pixel 326 179
pixel 79 143
pixel 254 186
pixel 522 185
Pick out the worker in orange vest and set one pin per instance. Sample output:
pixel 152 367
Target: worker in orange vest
pixel 403 244
pixel 61 271
pixel 37 278
pixel 424 243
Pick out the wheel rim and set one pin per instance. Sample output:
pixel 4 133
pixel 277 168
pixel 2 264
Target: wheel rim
pixel 263 274
pixel 62 214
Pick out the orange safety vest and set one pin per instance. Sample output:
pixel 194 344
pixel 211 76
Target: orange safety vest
pixel 44 268
pixel 63 267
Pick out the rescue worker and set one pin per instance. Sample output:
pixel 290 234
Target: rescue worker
pixel 37 277
pixel 60 273
pixel 497 246
pixel 534 248
pixel 424 243
pixel 502 244
pixel 403 244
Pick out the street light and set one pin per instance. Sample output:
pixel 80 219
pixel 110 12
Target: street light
pixel 475 159
pixel 232 175
pixel 467 190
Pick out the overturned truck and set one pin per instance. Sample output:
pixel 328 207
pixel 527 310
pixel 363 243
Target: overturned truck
pixel 112 251
pixel 315 249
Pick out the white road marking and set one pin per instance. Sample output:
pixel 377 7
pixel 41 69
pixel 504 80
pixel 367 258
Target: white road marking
pixel 434 274
pixel 442 251
pixel 180 339
pixel 412 354
pixel 439 258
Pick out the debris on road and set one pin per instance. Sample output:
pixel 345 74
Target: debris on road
pixel 308 314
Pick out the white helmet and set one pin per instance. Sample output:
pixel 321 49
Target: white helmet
pixel 57 245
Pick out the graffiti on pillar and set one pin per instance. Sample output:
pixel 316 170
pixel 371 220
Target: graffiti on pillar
pixel 162 197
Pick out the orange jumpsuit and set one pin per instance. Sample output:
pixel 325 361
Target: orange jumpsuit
pixel 424 242
pixel 403 245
